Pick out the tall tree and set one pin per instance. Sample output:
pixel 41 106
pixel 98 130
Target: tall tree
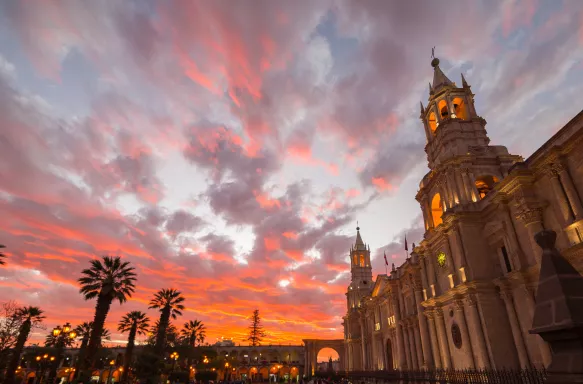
pixel 2 255
pixel 256 331
pixel 30 317
pixel 136 323
pixel 9 325
pixel 107 280
pixel 193 331
pixel 169 303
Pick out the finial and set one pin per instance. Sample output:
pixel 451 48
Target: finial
pixel 464 82
pixel 357 227
pixel 435 61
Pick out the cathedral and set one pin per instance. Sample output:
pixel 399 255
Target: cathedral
pixel 464 297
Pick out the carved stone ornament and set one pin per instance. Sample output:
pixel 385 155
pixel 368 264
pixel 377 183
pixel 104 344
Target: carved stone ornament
pixel 471 300
pixel 554 169
pixel 459 305
pixel 530 215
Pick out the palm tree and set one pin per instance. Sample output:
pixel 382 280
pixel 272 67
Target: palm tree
pixel 193 331
pixel 109 280
pixel 169 303
pixel 30 317
pixel 2 255
pixel 136 323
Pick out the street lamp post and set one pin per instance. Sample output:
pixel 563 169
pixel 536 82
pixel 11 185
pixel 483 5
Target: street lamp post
pixel 61 335
pixel 111 365
pixel 174 357
pixel 43 361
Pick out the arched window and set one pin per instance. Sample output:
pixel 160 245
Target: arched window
pixel 436 209
pixel 484 184
pixel 459 106
pixel 355 259
pixel 362 260
pixel 443 111
pixel 432 122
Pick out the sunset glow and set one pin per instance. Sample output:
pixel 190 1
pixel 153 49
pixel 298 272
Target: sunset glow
pixel 228 150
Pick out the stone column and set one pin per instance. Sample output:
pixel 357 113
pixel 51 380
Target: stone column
pixel 466 183
pixel 427 208
pixel 472 184
pixel 571 192
pixel 463 193
pixel 560 198
pixel 532 219
pixel 399 334
pixel 452 188
pixel 475 326
pixel 363 346
pixel 407 348
pixel 433 337
pixel 467 343
pixel 442 337
pixel 418 347
pixel 425 343
pixel 412 349
pixel 515 326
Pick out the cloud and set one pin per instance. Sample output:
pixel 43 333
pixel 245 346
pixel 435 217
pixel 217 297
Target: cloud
pixel 224 149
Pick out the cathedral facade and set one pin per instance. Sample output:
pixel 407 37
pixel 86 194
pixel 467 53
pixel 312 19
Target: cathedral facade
pixel 464 298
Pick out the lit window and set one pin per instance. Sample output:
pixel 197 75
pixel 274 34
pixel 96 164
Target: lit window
pixel 377 327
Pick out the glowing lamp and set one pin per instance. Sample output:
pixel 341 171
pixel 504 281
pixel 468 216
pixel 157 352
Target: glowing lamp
pixel 56 331
pixel 72 334
pixel 52 358
pixel 38 358
pixel 112 362
pixel 66 327
pixel 46 356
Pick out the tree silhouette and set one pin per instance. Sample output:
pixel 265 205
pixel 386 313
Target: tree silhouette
pixel 169 303
pixel 135 323
pixel 256 331
pixel 107 280
pixel 30 316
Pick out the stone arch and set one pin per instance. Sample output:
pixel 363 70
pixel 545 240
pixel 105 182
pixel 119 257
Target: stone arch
pixel 432 122
pixel 485 183
pixel 443 109
pixel 460 108
pixel 437 209
pixel 313 347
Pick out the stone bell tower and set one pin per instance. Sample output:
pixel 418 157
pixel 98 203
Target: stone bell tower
pixel 464 167
pixel 360 272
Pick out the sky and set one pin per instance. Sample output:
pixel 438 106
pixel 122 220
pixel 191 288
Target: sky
pixel 229 148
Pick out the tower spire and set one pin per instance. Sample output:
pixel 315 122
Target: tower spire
pixel 464 82
pixel 422 108
pixel 439 78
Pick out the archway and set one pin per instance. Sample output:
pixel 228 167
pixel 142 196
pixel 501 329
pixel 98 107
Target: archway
pixel 389 364
pixel 313 348
pixel 443 111
pixel 460 109
pixel 328 360
pixel 436 209
pixel 484 184
pixel 432 122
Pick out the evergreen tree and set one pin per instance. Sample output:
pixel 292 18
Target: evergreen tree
pixel 256 331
